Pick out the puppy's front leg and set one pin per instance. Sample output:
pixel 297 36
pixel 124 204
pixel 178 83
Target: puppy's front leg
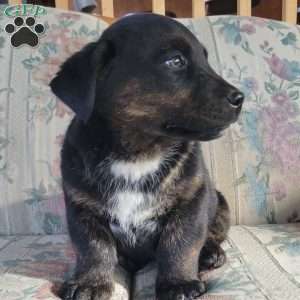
pixel 178 253
pixel 96 257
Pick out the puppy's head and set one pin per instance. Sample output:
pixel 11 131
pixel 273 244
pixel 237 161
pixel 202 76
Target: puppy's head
pixel 149 74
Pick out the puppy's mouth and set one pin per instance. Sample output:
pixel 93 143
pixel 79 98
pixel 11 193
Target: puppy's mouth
pixel 206 134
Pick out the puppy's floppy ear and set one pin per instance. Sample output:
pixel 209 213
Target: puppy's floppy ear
pixel 75 83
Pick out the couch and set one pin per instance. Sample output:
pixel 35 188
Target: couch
pixel 256 164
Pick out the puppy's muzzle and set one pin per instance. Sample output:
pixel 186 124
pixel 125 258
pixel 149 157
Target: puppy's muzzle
pixel 235 99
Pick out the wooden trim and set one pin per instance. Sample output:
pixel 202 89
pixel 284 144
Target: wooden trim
pixel 14 2
pixel 289 11
pixel 107 7
pixel 105 19
pixel 244 7
pixel 63 4
pixel 198 8
pixel 159 7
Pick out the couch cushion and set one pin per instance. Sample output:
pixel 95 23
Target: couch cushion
pixel 33 122
pixel 263 263
pixel 255 164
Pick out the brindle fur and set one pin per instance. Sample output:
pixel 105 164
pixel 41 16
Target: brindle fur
pixel 125 98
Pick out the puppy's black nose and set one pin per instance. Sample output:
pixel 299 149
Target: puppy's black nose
pixel 235 98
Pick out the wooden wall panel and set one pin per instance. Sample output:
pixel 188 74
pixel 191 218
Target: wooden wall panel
pixel 244 7
pixel 268 9
pixel 182 9
pixel 289 11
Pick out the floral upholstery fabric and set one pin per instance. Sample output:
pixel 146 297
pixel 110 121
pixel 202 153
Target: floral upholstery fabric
pixel 257 163
pixel 263 263
pixel 33 122
pixel 33 267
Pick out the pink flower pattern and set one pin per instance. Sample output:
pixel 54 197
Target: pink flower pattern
pixel 270 125
pixel 248 28
pixel 284 69
pixel 280 135
pixel 278 190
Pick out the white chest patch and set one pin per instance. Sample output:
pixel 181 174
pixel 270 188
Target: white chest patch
pixel 134 171
pixel 133 211
pixel 130 207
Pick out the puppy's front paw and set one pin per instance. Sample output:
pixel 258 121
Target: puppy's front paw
pixel 187 290
pixel 212 259
pixel 76 291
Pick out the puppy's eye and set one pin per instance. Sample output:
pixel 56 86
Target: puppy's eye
pixel 176 62
pixel 205 53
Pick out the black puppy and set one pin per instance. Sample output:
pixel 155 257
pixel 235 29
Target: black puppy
pixel 136 188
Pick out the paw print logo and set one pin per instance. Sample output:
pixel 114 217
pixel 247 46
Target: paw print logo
pixel 24 33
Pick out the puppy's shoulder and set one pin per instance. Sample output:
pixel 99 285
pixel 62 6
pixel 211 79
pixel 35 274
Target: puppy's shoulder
pixel 81 151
